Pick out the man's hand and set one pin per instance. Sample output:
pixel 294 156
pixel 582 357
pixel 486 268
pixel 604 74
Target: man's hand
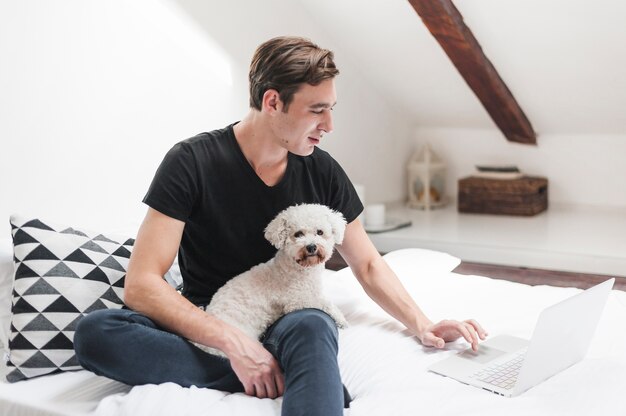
pixel 436 335
pixel 255 367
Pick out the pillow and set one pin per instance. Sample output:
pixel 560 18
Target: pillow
pixel 6 284
pixel 410 265
pixel 61 274
pixel 422 260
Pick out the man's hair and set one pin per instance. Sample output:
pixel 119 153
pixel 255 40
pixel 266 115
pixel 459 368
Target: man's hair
pixel 283 64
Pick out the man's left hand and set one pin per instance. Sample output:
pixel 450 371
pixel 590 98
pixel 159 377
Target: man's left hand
pixel 436 335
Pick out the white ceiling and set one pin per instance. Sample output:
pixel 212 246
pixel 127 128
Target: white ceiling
pixel 563 60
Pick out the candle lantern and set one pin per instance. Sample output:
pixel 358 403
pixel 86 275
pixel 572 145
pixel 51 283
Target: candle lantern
pixel 427 179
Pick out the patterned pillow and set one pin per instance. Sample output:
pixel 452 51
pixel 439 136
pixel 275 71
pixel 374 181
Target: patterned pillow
pixel 61 274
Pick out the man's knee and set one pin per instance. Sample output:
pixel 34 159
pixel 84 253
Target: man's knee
pixel 95 333
pixel 312 325
pixel 89 327
pixel 316 322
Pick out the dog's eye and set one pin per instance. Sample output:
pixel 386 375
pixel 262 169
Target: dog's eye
pixel 320 232
pixel 298 234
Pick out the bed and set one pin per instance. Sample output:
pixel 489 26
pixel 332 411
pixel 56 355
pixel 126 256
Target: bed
pixel 382 365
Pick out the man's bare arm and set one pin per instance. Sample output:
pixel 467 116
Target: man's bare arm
pixel 384 287
pixel 146 292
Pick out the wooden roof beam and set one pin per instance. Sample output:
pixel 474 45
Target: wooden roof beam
pixel 445 23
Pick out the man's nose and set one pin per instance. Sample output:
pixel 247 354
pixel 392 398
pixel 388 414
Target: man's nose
pixel 327 125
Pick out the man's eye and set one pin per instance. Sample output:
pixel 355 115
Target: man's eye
pixel 320 232
pixel 317 111
pixel 298 234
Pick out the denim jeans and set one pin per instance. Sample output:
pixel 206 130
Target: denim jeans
pixel 129 347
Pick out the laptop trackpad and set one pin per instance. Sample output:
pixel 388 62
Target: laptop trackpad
pixel 483 355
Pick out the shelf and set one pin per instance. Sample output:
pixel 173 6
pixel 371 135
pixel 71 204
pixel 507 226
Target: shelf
pixel 578 239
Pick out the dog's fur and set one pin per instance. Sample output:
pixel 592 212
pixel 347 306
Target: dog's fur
pixel 304 236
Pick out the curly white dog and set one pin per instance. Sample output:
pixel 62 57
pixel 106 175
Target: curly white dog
pixel 305 236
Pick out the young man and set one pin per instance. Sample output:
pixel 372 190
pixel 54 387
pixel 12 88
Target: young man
pixel 209 202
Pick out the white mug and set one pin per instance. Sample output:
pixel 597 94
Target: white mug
pixel 375 214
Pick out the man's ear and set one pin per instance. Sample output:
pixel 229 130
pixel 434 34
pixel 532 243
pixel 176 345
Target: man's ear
pixel 276 232
pixel 271 101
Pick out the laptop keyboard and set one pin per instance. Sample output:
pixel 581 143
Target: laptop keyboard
pixel 504 374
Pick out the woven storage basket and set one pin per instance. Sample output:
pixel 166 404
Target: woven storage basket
pixel 524 196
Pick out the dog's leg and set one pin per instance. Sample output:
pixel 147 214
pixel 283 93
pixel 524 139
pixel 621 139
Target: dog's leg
pixel 336 314
pixel 324 306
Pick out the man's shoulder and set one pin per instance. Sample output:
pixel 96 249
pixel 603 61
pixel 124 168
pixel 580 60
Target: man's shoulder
pixel 204 147
pixel 214 137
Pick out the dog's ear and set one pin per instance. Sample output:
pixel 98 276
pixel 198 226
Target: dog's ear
pixel 338 225
pixel 276 231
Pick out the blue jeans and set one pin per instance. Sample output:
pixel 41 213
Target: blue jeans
pixel 129 347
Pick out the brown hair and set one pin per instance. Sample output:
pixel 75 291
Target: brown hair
pixel 283 64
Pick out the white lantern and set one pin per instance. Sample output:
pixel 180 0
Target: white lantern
pixel 427 179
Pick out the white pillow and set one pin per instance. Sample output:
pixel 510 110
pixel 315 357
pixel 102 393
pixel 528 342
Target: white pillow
pixel 6 284
pixel 421 261
pixel 411 265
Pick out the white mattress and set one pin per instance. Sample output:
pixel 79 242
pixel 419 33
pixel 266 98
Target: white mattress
pixel 383 367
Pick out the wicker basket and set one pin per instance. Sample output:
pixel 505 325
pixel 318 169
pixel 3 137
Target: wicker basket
pixel 524 196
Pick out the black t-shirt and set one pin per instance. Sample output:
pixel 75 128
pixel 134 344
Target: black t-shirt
pixel 207 182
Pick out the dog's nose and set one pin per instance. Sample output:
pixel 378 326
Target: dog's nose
pixel 311 248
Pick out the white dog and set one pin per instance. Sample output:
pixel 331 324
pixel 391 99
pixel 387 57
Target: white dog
pixel 305 236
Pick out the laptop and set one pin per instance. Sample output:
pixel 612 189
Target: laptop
pixel 509 366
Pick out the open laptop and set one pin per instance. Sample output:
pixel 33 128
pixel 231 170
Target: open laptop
pixel 509 365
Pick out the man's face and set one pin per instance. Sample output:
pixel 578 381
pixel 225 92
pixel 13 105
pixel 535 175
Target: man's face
pixel 307 119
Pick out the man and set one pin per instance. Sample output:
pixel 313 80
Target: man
pixel 210 200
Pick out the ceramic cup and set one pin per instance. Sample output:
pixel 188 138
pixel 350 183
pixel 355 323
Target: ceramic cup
pixel 375 214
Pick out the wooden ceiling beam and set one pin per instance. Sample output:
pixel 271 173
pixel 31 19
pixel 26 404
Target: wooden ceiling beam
pixel 445 23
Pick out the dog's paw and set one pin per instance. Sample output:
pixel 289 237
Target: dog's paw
pixel 338 317
pixel 335 313
pixel 341 322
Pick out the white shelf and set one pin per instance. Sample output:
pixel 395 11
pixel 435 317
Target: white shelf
pixel 567 238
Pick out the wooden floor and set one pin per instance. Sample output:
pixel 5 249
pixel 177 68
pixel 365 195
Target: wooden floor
pixel 535 277
pixel 524 275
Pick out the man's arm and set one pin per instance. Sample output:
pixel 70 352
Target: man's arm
pixel 146 292
pixel 383 286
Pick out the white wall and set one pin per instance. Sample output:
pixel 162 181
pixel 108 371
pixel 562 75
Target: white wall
pixel 95 92
pixel 581 169
pixel 562 59
pixel 371 134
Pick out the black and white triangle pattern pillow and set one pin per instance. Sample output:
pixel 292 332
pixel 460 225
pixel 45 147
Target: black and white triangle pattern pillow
pixel 61 274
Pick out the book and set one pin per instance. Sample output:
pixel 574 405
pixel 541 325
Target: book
pixel 504 172
pixel 498 168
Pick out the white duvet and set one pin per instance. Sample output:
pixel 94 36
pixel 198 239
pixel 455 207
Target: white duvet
pixel 382 365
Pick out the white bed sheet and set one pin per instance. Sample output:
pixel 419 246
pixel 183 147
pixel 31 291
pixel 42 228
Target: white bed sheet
pixel 383 367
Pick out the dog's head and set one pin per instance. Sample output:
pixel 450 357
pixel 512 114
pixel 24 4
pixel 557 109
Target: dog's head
pixel 308 232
